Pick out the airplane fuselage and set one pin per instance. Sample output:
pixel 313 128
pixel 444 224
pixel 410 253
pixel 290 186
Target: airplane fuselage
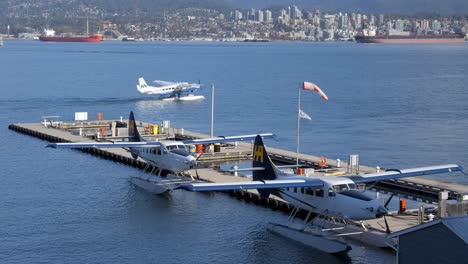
pixel 173 90
pixel 338 198
pixel 170 155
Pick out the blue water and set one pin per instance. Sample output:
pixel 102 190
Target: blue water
pixel 396 106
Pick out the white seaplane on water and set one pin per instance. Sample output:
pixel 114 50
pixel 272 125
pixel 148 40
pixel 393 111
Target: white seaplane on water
pixel 170 90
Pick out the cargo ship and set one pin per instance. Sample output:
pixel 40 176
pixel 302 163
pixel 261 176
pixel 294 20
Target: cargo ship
pixel 49 35
pixel 412 38
pixel 93 38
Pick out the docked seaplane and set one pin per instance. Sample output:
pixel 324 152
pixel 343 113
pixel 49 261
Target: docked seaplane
pixel 169 158
pixel 170 90
pixel 333 197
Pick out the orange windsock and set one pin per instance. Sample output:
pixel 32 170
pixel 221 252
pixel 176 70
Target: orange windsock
pixel 314 87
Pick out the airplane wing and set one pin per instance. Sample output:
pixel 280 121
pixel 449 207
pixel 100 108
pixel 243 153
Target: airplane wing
pixel 104 144
pixel 268 184
pixel 227 139
pixel 395 174
pixel 163 83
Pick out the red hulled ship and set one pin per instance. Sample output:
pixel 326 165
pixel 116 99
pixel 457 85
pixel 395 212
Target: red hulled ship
pixel 92 38
pixel 49 35
pixel 412 38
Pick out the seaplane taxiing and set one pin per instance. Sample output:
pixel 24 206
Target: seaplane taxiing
pixel 170 90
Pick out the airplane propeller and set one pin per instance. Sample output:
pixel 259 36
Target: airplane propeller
pixel 196 160
pixel 387 227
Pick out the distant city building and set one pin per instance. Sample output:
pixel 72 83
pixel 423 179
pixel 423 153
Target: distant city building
pixel 268 16
pixel 358 23
pixel 251 14
pixel 381 20
pixel 296 13
pixel 259 16
pixel 342 21
pixel 435 25
pixel 237 15
pixel 399 25
pixel 425 24
pixel 316 18
pixel 372 20
pixel 329 21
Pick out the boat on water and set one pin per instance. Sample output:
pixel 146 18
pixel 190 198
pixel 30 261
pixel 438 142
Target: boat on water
pixel 411 38
pixel 1 41
pixel 49 35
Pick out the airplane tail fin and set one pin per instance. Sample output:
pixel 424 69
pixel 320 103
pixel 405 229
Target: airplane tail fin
pixel 132 129
pixel 141 84
pixel 133 133
pixel 262 160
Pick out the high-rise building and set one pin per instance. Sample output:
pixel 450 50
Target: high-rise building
pixel 342 21
pixel 268 16
pixel 329 21
pixel 259 16
pixel 435 25
pixel 237 15
pixel 251 15
pixel 381 20
pixel 316 18
pixel 399 25
pixel 425 24
pixel 372 20
pixel 358 21
pixel 296 13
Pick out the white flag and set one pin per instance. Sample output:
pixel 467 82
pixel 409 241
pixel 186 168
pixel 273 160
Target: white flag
pixel 302 114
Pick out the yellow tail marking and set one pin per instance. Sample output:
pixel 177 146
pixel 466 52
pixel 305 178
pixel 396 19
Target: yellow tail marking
pixel 258 153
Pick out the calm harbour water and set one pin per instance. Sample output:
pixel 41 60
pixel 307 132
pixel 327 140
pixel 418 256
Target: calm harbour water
pixel 397 106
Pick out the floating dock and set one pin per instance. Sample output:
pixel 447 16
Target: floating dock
pixel 426 190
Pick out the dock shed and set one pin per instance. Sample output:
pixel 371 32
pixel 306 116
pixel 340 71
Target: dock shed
pixel 440 241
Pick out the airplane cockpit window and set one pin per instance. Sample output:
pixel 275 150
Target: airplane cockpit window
pixel 344 187
pixel 181 150
pixel 171 147
pixel 319 192
pixel 309 191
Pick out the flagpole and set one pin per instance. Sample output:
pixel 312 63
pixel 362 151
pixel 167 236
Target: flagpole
pixel 298 124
